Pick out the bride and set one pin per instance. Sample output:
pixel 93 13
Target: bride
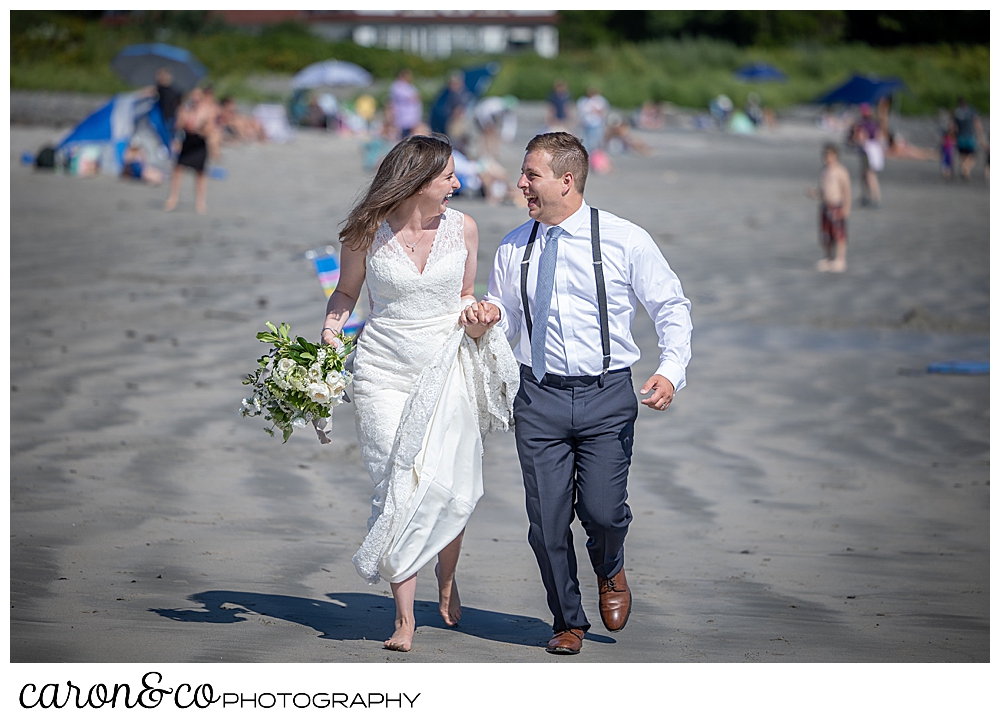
pixel 429 379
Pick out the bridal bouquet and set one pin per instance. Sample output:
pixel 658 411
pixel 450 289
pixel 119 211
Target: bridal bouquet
pixel 297 382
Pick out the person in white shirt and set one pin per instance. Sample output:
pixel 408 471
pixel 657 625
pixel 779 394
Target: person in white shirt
pixel 576 408
pixel 592 110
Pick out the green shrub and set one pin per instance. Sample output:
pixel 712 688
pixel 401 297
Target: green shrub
pixel 55 51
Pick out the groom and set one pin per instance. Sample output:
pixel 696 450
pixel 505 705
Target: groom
pixel 568 281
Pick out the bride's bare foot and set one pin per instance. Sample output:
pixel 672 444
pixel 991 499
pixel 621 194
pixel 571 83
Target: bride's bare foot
pixel 170 205
pixel 449 603
pixel 402 639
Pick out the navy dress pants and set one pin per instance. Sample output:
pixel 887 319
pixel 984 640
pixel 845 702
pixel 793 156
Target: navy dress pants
pixel 574 440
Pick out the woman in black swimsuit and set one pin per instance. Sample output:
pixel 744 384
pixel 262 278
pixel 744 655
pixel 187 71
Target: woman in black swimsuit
pixel 196 119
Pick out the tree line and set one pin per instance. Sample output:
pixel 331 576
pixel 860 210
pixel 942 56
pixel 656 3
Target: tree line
pixel 885 28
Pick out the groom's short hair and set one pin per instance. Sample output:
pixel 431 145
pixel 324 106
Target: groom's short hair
pixel 568 154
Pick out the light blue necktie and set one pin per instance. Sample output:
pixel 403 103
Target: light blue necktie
pixel 543 300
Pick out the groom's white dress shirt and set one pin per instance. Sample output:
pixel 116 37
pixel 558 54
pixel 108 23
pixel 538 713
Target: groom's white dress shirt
pixel 634 270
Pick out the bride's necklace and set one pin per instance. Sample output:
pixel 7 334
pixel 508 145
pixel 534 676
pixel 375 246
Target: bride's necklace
pixel 412 246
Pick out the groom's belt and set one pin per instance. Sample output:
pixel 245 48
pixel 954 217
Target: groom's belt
pixel 557 380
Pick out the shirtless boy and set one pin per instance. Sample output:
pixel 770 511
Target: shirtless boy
pixel 834 193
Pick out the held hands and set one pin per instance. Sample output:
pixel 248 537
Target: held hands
pixel 478 318
pixel 662 392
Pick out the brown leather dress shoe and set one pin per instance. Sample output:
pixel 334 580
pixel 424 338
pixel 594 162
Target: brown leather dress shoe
pixel 568 642
pixel 616 601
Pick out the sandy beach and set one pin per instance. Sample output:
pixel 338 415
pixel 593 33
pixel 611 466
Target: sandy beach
pixel 813 495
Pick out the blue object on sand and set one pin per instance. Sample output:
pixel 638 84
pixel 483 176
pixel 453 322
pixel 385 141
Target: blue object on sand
pixel 959 367
pixel 862 89
pixel 218 172
pixel 27 158
pixel 760 73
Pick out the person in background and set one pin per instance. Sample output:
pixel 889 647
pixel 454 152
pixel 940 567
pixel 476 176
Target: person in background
pixel 899 147
pixel 451 103
pixel 866 136
pixel 721 110
pixel 405 104
pixel 330 107
pixel 212 109
pixel 619 138
pixel 592 112
pixel 559 107
pixel 135 165
pixel 365 106
pixel 834 194
pixel 753 110
pixel 237 127
pixel 197 120
pixel 968 130
pixel 485 177
pixel 494 116
pixel 315 116
pixel 650 117
pixel 170 97
pixel 948 152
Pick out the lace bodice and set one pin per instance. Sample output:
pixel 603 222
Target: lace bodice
pixel 397 289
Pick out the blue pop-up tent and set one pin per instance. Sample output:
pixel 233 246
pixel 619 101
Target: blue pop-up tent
pixel 862 89
pixel 477 81
pixel 479 78
pixel 112 126
pixel 760 73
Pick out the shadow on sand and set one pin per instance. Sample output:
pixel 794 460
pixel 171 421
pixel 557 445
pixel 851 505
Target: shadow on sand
pixel 357 616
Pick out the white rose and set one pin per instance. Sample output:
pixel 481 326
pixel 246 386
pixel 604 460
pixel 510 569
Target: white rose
pixel 285 366
pixel 299 422
pixel 337 385
pixel 319 392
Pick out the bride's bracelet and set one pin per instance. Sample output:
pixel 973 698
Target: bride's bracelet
pixel 326 328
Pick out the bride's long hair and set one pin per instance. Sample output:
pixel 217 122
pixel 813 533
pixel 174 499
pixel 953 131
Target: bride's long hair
pixel 407 168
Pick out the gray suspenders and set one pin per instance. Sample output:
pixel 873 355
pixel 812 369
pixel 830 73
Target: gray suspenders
pixel 602 298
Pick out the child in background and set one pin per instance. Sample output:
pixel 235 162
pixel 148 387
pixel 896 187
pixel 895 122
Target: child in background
pixel 834 193
pixel 948 143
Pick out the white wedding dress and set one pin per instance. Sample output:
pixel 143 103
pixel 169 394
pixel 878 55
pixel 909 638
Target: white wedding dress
pixel 425 393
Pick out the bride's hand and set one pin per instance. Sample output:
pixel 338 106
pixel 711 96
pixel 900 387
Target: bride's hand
pixel 478 318
pixel 469 315
pixel 328 336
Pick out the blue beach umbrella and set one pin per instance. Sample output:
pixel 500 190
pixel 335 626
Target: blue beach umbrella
pixel 331 73
pixel 760 73
pixel 137 65
pixel 862 89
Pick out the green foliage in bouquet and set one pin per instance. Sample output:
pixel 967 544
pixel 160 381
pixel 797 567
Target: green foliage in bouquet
pixel 296 382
